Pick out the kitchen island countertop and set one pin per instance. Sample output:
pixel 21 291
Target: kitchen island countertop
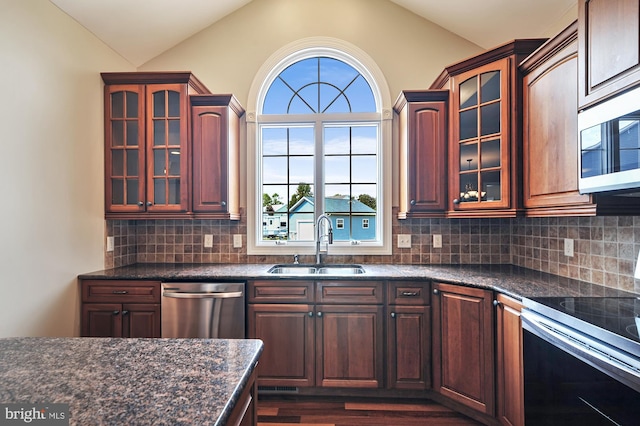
pixel 118 381
pixel 512 280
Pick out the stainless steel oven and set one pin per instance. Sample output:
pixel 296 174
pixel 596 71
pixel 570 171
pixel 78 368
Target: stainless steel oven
pixel 581 361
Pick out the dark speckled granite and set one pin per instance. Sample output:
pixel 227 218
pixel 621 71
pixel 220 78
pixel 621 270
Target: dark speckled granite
pixel 129 381
pixel 512 280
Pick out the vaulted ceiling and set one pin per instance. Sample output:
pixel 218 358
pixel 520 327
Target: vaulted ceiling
pixel 138 30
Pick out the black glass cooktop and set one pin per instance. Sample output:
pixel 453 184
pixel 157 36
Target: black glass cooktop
pixel 617 315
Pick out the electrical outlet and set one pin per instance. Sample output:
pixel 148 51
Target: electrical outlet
pixel 110 243
pixel 237 240
pixel 404 240
pixel 568 247
pixel 437 241
pixel 208 240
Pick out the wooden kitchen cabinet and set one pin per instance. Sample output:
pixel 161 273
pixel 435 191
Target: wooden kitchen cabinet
pixel 146 143
pixel 608 48
pixel 120 308
pixel 463 346
pixel 216 156
pixel 509 364
pixel 318 334
pixel 550 130
pixel 408 335
pixel 422 123
pixel 485 142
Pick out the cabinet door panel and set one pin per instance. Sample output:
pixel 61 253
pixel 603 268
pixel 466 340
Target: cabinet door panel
pixel 209 159
pixel 101 320
pixel 408 347
pixel 288 357
pixel 349 341
pixel 463 346
pixel 141 320
pixel 510 384
pixel 609 43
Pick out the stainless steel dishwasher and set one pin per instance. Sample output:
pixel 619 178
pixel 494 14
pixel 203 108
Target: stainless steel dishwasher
pixel 208 310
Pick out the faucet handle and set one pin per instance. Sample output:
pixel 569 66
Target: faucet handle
pixel 296 259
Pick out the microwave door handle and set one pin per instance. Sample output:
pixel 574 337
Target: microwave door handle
pixel 204 295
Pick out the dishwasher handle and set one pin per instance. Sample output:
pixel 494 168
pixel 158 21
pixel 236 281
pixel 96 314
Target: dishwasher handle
pixel 202 295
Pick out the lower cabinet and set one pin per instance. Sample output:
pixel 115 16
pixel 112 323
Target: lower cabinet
pixel 245 413
pixel 408 336
pixel 120 308
pixel 510 380
pixel 334 341
pixel 463 346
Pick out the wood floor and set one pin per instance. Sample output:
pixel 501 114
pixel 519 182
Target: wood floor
pixel 354 412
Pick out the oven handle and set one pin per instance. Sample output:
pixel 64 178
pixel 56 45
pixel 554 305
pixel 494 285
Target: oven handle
pixel 614 362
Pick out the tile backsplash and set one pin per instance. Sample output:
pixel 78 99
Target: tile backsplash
pixel 605 248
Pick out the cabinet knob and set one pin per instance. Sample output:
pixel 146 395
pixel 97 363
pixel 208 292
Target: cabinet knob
pixel 436 291
pixel 496 303
pixel 149 203
pixel 319 314
pixel 310 313
pixel 223 203
pixel 393 314
pixel 412 202
pixel 125 312
pixel 116 312
pixel 140 203
pixel 456 201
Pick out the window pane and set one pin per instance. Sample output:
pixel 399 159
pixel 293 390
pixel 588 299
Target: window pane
pixel 117 162
pixel 117 191
pixel 301 169
pixel 117 105
pixel 274 169
pixel 301 141
pixel 132 104
pixel 117 133
pixel 174 103
pixel 336 140
pixel 132 133
pixel 469 157
pixel 174 132
pixel 174 162
pixel 361 96
pixel 274 141
pixel 158 104
pixel 468 187
pixel 159 191
pixel 337 169
pixel 364 140
pixel 274 100
pixel 159 162
pixel 490 86
pixel 365 169
pixel 132 162
pixel 490 154
pixel 491 185
pixel 132 191
pixel 174 191
pixel 158 132
pixel 469 93
pixel 490 119
pixel 469 124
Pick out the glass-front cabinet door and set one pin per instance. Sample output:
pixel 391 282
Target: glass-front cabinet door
pixel 479 156
pixel 166 144
pixel 125 148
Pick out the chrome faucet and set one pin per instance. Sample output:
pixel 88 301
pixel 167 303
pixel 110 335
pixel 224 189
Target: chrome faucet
pixel 319 237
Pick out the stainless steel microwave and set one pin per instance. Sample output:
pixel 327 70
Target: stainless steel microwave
pixel 609 144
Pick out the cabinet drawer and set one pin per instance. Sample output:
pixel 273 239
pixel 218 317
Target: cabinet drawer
pixel 370 292
pixel 409 293
pixel 280 291
pixel 105 291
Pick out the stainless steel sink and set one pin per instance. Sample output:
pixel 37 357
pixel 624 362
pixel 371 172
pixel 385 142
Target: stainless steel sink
pixel 341 270
pixel 313 270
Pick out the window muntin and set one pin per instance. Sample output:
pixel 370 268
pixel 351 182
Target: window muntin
pixel 320 147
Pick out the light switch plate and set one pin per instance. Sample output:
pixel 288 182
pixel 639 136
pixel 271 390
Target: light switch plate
pixel 110 243
pixel 404 240
pixel 237 240
pixel 208 240
pixel 437 241
pixel 568 247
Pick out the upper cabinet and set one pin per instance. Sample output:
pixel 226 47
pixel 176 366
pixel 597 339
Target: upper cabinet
pixel 485 119
pixel 149 170
pixel 609 48
pixel 422 122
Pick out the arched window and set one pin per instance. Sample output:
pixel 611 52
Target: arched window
pixel 318 149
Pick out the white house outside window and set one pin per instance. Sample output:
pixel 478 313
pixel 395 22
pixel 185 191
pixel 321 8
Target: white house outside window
pixel 319 148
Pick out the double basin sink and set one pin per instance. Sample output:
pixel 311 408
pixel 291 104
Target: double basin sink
pixel 294 269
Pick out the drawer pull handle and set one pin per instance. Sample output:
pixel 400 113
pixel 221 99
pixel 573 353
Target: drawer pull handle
pixel 120 292
pixel 410 293
pixel 116 312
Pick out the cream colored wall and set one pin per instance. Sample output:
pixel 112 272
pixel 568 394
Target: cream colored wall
pixel 51 173
pixel 410 51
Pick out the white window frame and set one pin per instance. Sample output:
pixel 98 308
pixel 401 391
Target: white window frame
pixel 350 54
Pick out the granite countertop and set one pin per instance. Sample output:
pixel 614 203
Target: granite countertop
pixel 508 279
pixel 114 381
